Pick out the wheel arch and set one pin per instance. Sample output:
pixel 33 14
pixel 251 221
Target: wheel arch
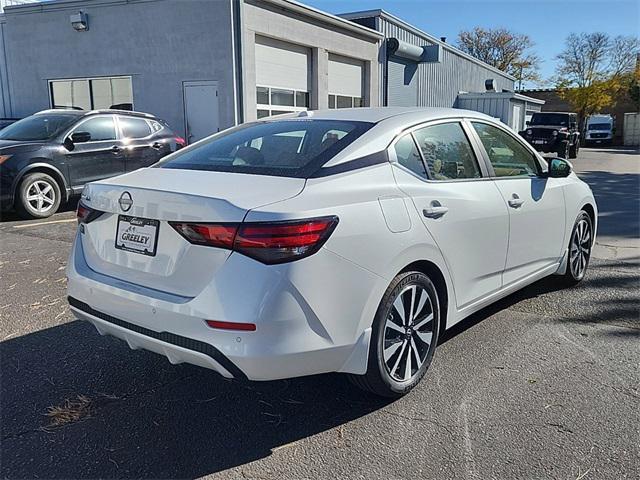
pixel 46 168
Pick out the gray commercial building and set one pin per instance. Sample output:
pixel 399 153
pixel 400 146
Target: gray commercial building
pixel 204 65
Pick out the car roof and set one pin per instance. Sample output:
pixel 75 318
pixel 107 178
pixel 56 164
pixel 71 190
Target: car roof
pixel 379 114
pixel 558 113
pixel 82 113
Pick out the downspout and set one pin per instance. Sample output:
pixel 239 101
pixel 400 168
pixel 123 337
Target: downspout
pixel 238 55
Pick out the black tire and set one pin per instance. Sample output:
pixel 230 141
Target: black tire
pixel 379 378
pixel 574 149
pixel 563 151
pixel 573 276
pixel 40 185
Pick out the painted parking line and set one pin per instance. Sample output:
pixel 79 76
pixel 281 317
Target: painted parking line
pixel 27 225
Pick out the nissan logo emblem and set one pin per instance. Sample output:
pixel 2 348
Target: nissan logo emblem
pixel 125 201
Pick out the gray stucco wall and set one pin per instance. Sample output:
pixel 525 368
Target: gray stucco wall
pixel 5 101
pixel 159 43
pixel 440 82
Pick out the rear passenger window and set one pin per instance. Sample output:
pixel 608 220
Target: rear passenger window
pixel 408 155
pixel 134 127
pixel 447 152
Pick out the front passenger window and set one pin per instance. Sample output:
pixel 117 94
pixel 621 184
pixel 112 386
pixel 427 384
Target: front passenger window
pixel 100 128
pixel 507 155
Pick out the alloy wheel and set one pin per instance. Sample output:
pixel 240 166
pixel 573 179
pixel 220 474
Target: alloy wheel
pixel 41 196
pixel 580 249
pixel 408 333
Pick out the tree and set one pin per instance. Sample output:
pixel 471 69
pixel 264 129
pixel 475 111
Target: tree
pixel 593 70
pixel 507 51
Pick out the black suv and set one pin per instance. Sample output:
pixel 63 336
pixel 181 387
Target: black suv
pixel 48 157
pixel 554 132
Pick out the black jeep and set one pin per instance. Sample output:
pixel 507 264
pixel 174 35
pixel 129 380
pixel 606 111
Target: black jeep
pixel 554 132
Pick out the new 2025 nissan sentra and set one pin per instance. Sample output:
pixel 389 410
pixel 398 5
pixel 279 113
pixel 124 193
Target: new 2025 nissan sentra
pixel 331 241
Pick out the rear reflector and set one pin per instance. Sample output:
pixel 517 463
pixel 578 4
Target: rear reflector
pixel 269 243
pixel 245 327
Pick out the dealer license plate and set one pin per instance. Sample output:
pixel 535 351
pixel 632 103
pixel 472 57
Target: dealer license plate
pixel 137 235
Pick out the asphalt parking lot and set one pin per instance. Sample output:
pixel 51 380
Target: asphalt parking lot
pixel 545 384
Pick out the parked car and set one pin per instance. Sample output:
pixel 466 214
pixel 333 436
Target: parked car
pixel 5 122
pixel 48 157
pixel 555 132
pixel 600 130
pixel 335 241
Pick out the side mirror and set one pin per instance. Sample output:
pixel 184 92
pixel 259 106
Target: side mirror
pixel 80 137
pixel 527 123
pixel 559 168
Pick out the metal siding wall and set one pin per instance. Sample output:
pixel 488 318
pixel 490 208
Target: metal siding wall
pixel 440 83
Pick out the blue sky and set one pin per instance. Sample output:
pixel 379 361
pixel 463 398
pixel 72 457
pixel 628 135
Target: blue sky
pixel 547 22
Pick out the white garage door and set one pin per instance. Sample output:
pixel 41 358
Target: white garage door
pixel 345 82
pixel 282 77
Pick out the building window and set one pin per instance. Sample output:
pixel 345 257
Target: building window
pixel 92 93
pixel 276 101
pixel 343 101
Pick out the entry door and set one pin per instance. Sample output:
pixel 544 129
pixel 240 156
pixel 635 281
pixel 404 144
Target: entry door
pixel 200 110
pixel 536 204
pixel 462 210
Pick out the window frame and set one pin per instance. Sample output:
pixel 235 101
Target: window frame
pixel 542 167
pixel 51 81
pixel 481 161
pixel 75 127
pixel 281 109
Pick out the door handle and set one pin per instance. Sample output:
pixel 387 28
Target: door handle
pixel 435 210
pixel 515 201
pixel 156 145
pixel 116 149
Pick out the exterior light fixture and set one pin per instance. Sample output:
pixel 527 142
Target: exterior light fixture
pixel 79 22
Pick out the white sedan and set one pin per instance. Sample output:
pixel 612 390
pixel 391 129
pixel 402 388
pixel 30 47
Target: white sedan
pixel 331 241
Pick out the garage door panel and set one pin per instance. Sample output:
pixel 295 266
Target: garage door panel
pixel 345 76
pixel 281 64
pixel 402 83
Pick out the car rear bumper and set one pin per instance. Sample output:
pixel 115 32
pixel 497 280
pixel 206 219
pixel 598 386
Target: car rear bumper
pixel 290 340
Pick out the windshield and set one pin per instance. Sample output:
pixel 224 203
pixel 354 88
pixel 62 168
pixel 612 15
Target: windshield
pixel 599 126
pixel 292 148
pixel 37 127
pixel 559 119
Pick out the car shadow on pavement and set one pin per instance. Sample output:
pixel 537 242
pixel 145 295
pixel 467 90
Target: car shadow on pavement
pixel 617 196
pixel 77 405
pixel 12 215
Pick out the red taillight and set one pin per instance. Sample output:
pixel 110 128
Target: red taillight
pixel 181 141
pixel 268 243
pixel 86 214
pixel 245 327
pixel 207 234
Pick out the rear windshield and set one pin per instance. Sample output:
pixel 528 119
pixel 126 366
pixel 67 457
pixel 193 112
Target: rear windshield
pixel 599 126
pixel 291 148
